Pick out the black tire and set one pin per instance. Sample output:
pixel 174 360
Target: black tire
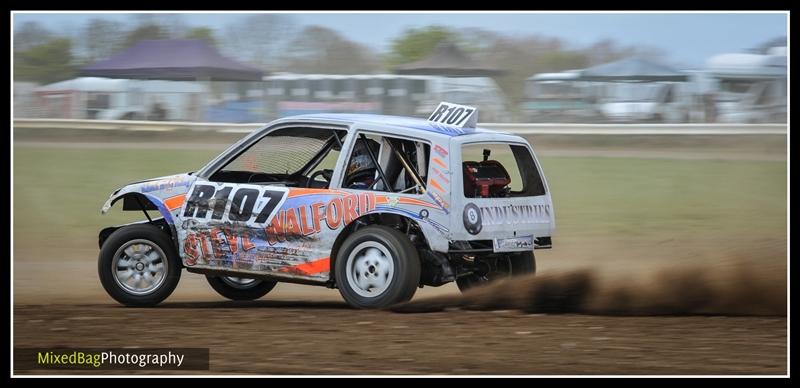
pixel 403 282
pixel 235 291
pixel 517 264
pixel 147 235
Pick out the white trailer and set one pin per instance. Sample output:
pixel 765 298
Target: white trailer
pixel 392 94
pixel 660 102
pixel 750 88
pixel 114 99
pixel 559 97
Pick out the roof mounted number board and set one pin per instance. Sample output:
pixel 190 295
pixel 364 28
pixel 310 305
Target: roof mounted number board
pixel 453 114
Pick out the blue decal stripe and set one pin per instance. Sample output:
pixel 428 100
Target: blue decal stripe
pixel 161 207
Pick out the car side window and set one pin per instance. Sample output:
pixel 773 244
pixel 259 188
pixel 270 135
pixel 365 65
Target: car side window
pixel 387 163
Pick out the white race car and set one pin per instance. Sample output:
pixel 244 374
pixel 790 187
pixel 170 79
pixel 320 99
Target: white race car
pixel 375 206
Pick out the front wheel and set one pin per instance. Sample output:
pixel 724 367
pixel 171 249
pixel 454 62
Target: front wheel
pixel 138 265
pixel 489 269
pixel 235 288
pixel 377 267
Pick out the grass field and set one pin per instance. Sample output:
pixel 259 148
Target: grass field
pixel 626 217
pixel 58 193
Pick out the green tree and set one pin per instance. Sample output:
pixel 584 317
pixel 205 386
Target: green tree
pixel 260 39
pixel 604 51
pixel 30 34
pixel 203 33
pixel 563 60
pixel 45 63
pixel 145 32
pixel 416 43
pixel 322 50
pixel 101 38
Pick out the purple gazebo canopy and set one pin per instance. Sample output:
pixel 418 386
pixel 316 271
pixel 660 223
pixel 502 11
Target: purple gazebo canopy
pixel 174 60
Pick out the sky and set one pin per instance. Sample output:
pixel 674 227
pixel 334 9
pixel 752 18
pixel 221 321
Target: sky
pixel 687 39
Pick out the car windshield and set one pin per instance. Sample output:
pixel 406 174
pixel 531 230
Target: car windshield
pixel 286 155
pixel 282 152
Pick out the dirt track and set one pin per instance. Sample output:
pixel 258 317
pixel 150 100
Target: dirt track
pixel 309 330
pixel 281 337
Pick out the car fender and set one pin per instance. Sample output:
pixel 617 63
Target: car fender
pixel 166 194
pixel 436 234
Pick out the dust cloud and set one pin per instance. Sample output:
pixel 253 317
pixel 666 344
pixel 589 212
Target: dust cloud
pixel 742 288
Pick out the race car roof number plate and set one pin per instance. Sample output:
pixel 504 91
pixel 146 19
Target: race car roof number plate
pixel 516 244
pixel 461 116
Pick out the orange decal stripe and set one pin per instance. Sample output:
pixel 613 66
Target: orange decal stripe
pixel 439 162
pixel 302 191
pixel 310 267
pixel 435 184
pixel 412 201
pixel 175 202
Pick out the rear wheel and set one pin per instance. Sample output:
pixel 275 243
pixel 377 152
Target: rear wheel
pixel 377 267
pixel 138 265
pixel 235 288
pixel 489 269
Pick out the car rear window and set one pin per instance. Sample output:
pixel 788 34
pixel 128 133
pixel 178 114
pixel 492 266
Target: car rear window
pixel 496 170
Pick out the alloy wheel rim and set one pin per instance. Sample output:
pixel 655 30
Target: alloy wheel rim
pixel 139 267
pixel 370 269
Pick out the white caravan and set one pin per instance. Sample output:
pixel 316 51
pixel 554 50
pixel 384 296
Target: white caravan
pixel 115 99
pixel 750 88
pixel 659 102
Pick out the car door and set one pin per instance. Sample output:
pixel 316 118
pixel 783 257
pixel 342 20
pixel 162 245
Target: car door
pixel 233 217
pixel 220 225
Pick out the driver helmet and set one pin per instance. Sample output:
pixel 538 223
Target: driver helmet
pixel 361 161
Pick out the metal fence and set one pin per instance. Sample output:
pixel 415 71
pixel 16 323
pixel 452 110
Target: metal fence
pixel 519 129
